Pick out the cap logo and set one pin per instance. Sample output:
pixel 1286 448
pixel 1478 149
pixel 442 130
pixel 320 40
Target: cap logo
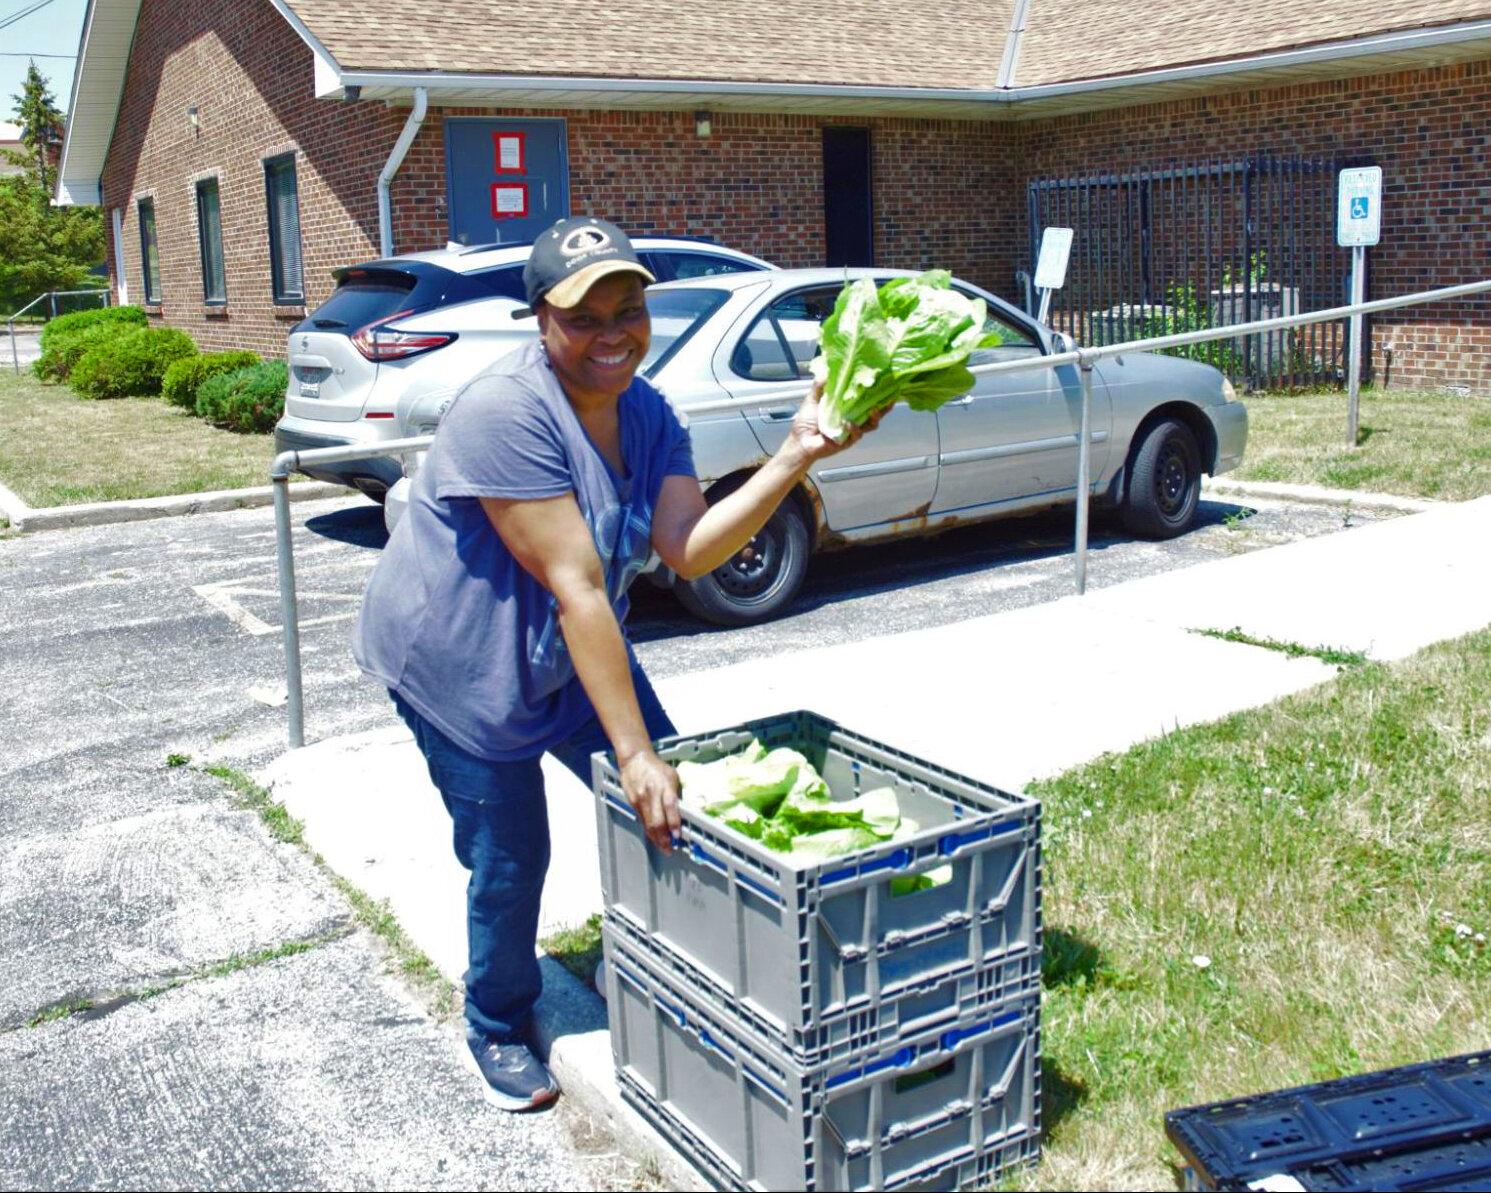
pixel 584 240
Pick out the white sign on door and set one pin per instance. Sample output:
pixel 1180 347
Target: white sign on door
pixel 1359 207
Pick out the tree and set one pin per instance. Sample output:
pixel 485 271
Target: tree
pixel 42 126
pixel 42 247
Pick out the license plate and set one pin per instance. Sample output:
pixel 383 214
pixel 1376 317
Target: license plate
pixel 310 389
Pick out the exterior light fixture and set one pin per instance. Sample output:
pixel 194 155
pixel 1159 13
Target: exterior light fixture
pixel 701 123
pixel 193 119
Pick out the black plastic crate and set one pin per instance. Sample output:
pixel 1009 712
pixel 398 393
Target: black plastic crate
pixel 803 948
pixel 1424 1126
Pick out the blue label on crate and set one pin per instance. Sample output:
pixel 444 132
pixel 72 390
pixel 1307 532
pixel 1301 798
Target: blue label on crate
pixel 898 860
pixel 896 1060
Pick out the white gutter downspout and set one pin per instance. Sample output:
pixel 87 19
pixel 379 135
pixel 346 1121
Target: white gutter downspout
pixel 395 160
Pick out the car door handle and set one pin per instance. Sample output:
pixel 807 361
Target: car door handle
pixel 778 416
pixel 965 400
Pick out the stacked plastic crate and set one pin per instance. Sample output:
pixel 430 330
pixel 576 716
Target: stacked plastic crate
pixel 867 1022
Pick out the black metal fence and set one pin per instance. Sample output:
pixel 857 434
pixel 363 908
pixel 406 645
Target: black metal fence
pixel 1192 247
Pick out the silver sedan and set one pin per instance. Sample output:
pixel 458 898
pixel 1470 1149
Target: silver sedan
pixel 1007 447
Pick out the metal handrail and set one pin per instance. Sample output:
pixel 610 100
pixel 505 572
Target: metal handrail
pixel 54 295
pixel 1084 358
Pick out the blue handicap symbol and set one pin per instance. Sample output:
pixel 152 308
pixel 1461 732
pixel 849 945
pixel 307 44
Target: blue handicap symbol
pixel 1359 207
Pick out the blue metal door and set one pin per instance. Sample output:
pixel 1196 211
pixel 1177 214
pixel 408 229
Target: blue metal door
pixel 506 180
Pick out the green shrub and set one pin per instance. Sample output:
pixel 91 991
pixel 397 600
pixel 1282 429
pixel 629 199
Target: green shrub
pixel 249 399
pixel 65 324
pixel 184 378
pixel 67 337
pixel 132 365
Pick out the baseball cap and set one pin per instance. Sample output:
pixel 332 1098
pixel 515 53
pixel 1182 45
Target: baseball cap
pixel 573 255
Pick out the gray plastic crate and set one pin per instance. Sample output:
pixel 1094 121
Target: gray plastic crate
pixel 801 947
pixel 939 1001
pixel 953 1106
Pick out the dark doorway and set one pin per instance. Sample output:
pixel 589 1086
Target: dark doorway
pixel 847 214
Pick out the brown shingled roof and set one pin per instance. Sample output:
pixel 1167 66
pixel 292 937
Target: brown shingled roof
pixel 894 43
pixel 1071 40
pixel 884 43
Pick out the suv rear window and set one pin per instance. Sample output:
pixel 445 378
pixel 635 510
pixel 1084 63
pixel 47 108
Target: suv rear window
pixel 363 297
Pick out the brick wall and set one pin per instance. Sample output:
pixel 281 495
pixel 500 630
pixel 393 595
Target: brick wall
pixel 250 78
pixel 756 184
pixel 1427 130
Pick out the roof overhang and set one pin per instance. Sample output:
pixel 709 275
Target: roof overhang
pixel 1409 50
pixel 97 87
pixel 108 33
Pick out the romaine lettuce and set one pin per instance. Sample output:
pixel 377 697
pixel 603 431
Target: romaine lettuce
pixel 908 341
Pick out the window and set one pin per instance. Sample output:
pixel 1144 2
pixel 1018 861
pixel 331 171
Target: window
pixel 210 237
pixel 506 281
pixel 677 266
pixel 284 229
pixel 1015 340
pixel 781 343
pixel 149 250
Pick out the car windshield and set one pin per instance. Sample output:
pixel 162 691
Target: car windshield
pixel 676 316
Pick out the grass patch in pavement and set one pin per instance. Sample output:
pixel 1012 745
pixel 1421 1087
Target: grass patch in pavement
pixel 1326 654
pixel 372 914
pixel 60 449
pixel 577 948
pixel 1433 445
pixel 1292 894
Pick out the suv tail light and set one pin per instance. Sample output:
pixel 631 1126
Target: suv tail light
pixel 378 342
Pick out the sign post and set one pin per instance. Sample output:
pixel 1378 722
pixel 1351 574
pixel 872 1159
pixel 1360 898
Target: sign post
pixel 1050 271
pixel 1358 226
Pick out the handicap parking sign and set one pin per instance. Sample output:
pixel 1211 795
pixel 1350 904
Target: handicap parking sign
pixel 1359 210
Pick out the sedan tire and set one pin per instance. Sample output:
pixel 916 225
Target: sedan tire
pixel 1164 482
pixel 760 580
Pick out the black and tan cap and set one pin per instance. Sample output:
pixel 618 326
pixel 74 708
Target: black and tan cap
pixel 575 254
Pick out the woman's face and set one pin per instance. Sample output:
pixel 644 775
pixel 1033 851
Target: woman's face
pixel 597 345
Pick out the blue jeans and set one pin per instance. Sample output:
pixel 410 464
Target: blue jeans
pixel 501 832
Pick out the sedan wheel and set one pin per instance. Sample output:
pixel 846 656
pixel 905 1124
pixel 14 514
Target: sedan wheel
pixel 1164 482
pixel 758 581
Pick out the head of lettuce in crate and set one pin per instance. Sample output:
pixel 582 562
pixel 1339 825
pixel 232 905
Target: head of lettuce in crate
pixel 494 616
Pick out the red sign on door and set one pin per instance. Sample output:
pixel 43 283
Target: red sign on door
pixel 509 200
pixel 509 151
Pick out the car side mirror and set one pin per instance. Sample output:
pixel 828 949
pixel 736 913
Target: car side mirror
pixel 1063 342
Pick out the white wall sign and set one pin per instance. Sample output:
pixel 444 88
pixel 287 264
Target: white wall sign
pixel 1056 249
pixel 1359 207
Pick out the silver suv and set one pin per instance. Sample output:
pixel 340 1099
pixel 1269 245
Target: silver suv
pixel 379 358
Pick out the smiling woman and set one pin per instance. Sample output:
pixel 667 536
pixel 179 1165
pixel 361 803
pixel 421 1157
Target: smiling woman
pixel 494 615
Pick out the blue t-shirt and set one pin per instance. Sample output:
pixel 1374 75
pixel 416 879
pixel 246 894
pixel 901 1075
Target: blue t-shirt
pixel 456 625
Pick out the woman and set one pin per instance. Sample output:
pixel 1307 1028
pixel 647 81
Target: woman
pixel 494 615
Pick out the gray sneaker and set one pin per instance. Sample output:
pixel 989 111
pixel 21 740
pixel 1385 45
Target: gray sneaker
pixel 512 1077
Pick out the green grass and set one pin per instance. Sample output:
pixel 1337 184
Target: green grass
pixel 59 449
pixel 282 826
pixel 1326 654
pixel 1432 445
pixel 578 948
pixel 61 1011
pixel 374 915
pixel 1328 857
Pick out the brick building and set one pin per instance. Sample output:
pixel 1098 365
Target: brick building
pixel 237 145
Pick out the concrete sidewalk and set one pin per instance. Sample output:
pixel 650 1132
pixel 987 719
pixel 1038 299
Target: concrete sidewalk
pixel 1007 699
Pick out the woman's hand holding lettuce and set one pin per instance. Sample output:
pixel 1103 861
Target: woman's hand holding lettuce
pixel 907 341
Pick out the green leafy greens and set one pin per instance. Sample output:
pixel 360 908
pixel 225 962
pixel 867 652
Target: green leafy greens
pixel 908 341
pixel 777 797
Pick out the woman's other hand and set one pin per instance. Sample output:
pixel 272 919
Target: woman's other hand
pixel 651 787
pixel 812 443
